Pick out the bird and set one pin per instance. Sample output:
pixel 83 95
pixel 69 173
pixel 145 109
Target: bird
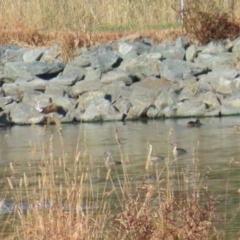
pixel 197 123
pixel 178 151
pixel 154 158
pixel 109 162
pixel 49 109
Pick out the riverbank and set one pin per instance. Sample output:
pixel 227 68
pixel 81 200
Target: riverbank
pixel 130 78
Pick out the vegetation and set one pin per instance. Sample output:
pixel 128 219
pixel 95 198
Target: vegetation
pixel 53 200
pixel 77 23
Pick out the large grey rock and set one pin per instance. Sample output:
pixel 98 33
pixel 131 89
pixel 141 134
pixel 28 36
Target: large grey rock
pixel 166 98
pixel 14 70
pixel 138 111
pixel 81 61
pixel 23 113
pixel 174 69
pixel 193 107
pixel 123 105
pixel 32 55
pixel 236 47
pixel 131 48
pixel 105 58
pixel 52 53
pixel 115 90
pixel 52 89
pixel 191 53
pixel 42 68
pixel 169 51
pixel 12 89
pixel 25 84
pixel 226 110
pixel 5 101
pixel 214 48
pixel 221 60
pixel 13 55
pixel 89 98
pixel 85 86
pixel 143 96
pixel 210 99
pixel 153 112
pixel 4 48
pixel 66 79
pixel 182 42
pixel 92 74
pixel 146 64
pixel 115 76
pixel 103 110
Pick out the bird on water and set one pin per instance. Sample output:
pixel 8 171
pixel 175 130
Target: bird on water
pixel 178 151
pixel 109 162
pixel 196 123
pixel 154 158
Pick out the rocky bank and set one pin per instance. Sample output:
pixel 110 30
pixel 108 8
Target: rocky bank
pixel 128 79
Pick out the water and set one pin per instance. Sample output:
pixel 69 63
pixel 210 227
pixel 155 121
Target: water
pixel 215 144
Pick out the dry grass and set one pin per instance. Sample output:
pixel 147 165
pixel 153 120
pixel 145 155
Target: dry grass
pixel 76 23
pixel 63 203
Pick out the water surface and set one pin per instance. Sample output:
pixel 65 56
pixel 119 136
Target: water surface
pixel 215 146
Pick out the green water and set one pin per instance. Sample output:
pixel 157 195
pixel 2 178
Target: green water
pixel 214 147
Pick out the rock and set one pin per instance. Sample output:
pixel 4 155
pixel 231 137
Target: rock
pixel 14 70
pixel 146 64
pixel 81 61
pixel 133 48
pixel 166 98
pixel 33 55
pixel 85 86
pixel 5 48
pixel 138 111
pixel 92 74
pixel 72 69
pixel 143 96
pixel 105 58
pixel 89 98
pixel 191 53
pixel 12 90
pixel 182 42
pixel 193 107
pixel 169 51
pixel 214 48
pixel 22 113
pixel 101 111
pixel 43 69
pixel 123 105
pixel 13 55
pixel 5 101
pixel 66 79
pixel 37 84
pixel 222 60
pixel 91 114
pixel 173 69
pixel 115 76
pixel 52 90
pixel 51 54
pixel 115 90
pixel 153 112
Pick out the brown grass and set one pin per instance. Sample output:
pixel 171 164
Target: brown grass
pixel 63 203
pixel 76 23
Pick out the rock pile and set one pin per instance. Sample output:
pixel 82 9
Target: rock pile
pixel 126 78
